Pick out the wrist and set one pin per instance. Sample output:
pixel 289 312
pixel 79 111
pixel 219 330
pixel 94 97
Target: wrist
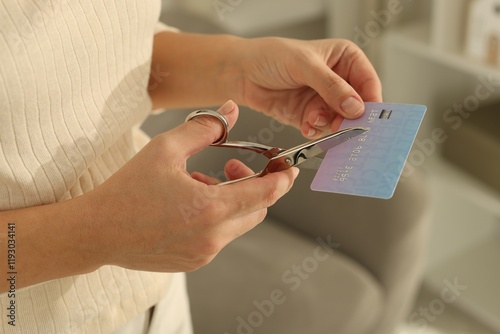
pixel 51 241
pixel 202 70
pixel 234 75
pixel 77 228
pixel 92 243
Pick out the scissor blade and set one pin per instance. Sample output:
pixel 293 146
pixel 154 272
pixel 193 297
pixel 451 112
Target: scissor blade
pixel 335 139
pixel 314 148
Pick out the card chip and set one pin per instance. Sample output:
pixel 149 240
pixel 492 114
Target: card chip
pixel 385 114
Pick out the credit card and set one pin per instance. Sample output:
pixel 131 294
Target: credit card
pixel 371 164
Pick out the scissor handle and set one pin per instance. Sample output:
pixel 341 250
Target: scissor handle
pixel 265 150
pixel 240 179
pixel 222 119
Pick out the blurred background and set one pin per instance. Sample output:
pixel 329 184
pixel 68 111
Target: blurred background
pixel 441 53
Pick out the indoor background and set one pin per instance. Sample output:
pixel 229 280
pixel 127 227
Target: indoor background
pixel 441 53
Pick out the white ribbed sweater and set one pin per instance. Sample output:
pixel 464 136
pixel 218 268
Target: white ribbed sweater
pixel 73 78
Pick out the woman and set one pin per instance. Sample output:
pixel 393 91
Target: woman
pixel 99 224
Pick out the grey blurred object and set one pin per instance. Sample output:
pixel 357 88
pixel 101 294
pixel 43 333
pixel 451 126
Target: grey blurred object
pixel 319 263
pixel 474 144
pixel 366 284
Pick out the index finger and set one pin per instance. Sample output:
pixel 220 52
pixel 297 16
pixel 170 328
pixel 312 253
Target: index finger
pixel 245 197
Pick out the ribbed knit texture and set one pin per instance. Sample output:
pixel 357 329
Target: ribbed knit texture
pixel 73 78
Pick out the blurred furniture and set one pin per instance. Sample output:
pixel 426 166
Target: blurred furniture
pixel 319 263
pixel 281 277
pixel 465 236
pixel 255 17
pixel 483 27
pixel 474 146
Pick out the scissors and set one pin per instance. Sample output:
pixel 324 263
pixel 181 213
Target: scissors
pixel 279 158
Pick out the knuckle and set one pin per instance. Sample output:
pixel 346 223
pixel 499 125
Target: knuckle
pixel 209 248
pixel 205 252
pixel 350 45
pixel 340 88
pixel 204 121
pixel 212 213
pixel 211 127
pixel 271 197
pixel 164 143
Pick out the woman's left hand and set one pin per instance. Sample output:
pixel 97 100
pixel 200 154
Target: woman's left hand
pixel 311 85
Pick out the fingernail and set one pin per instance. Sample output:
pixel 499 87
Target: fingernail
pixel 312 132
pixel 233 167
pixel 352 106
pixel 321 121
pixel 295 172
pixel 226 107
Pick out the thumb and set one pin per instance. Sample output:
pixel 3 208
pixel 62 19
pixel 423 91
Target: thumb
pixel 336 91
pixel 199 132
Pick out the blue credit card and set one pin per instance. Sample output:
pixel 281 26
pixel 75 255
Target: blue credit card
pixel 371 164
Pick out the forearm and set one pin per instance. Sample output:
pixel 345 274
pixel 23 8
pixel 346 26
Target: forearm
pixel 47 242
pixel 190 70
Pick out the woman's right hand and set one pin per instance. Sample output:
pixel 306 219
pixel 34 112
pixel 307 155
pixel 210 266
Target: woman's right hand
pixel 152 215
